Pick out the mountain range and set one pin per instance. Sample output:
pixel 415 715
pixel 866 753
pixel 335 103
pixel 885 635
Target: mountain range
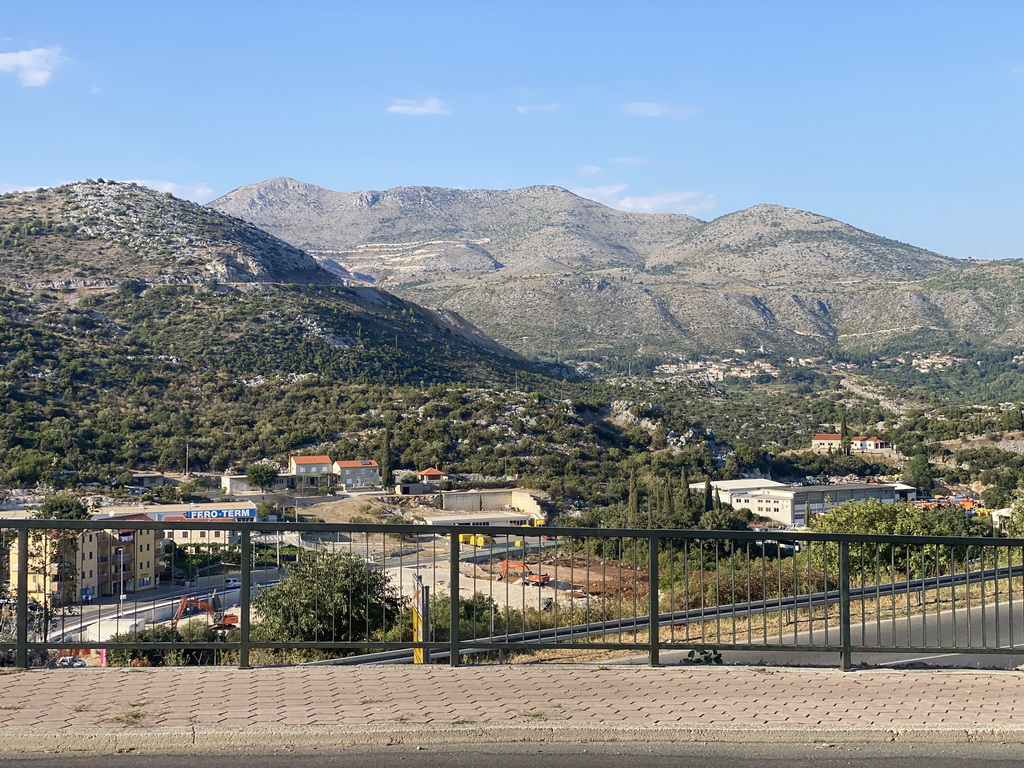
pixel 94 272
pixel 549 273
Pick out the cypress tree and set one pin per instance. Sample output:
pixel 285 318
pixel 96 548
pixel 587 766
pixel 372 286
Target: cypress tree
pixel 385 459
pixel 670 503
pixel 633 510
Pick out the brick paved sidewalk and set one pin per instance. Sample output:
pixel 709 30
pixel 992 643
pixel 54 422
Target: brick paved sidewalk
pixel 405 702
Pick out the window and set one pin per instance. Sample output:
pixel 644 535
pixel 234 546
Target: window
pixel 184 534
pixel 202 534
pixel 90 555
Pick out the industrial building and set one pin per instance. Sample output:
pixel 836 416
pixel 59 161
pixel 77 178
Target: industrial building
pixel 795 505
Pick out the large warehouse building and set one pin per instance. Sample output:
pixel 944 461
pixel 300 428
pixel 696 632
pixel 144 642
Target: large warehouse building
pixel 795 505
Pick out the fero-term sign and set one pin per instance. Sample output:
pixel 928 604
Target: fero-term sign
pixel 220 514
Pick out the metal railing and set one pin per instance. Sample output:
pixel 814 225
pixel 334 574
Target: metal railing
pixel 358 593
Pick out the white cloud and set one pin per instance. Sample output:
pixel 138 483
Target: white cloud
pixel 1018 70
pixel 588 170
pixel 629 160
pixel 429 106
pixel 200 193
pixel 691 203
pixel 34 67
pixel 607 194
pixel 94 90
pixel 529 109
pixel 659 109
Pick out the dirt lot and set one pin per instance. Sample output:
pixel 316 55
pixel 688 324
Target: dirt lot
pixel 339 510
pixel 571 581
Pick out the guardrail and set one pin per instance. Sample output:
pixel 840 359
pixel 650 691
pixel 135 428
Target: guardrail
pixel 250 593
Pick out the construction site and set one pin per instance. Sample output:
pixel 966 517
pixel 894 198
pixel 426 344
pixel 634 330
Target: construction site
pixel 536 580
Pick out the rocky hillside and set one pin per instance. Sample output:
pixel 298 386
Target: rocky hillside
pixel 552 274
pixel 96 231
pixel 93 273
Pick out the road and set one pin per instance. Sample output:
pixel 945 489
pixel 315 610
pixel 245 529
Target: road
pixel 103 620
pixel 1000 625
pixel 890 755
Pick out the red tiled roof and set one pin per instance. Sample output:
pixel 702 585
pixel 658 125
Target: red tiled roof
pixel 357 463
pixel 827 437
pixel 432 472
pixel 311 459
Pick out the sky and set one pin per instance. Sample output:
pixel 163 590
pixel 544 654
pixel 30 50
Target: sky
pixel 904 118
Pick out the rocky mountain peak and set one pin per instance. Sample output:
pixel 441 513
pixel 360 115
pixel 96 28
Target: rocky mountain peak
pixel 124 230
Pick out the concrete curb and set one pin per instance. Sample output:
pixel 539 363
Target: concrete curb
pixel 209 739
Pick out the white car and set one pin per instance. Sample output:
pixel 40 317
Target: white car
pixel 232 583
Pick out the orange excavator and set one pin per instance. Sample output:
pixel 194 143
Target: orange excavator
pixel 212 608
pixel 529 577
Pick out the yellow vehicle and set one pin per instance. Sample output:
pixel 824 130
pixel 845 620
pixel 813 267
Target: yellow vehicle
pixel 476 539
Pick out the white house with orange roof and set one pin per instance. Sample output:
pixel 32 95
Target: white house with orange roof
pixel 866 444
pixel 825 442
pixel 360 473
pixel 310 465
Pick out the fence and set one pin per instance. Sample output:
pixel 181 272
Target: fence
pixel 251 593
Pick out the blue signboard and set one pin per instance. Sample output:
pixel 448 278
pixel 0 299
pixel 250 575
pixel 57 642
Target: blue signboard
pixel 220 514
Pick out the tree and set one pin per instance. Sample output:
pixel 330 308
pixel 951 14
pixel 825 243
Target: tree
pixel 327 596
pixel 873 516
pixel 919 473
pixel 386 459
pixel 844 436
pixel 189 488
pixel 143 657
pixel 633 502
pixel 263 476
pixel 1014 526
pixel 63 506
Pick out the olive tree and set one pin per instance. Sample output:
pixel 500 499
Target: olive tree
pixel 327 596
pixel 263 476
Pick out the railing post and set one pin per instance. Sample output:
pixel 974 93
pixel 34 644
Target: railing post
pixel 453 597
pixel 245 561
pixel 654 603
pixel 845 639
pixel 21 633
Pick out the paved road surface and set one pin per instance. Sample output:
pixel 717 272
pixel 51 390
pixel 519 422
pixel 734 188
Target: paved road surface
pixel 565 756
pixel 1003 628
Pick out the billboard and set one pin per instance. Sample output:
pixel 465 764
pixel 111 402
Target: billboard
pixel 230 513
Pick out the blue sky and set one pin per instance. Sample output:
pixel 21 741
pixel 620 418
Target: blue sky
pixel 902 118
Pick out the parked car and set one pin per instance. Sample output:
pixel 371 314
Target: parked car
pixel 232 583
pixel 70 661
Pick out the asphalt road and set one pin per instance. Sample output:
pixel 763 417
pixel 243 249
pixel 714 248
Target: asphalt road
pixel 889 755
pixel 996 625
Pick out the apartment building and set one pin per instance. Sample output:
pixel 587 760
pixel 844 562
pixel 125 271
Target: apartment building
pixel 70 567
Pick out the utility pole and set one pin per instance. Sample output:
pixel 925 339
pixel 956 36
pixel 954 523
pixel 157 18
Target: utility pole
pixel 120 591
